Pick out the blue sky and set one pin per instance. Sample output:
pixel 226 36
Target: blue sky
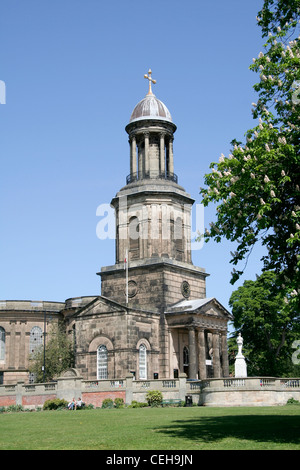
pixel 73 71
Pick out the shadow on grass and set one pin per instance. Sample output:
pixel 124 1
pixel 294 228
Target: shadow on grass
pixel 277 429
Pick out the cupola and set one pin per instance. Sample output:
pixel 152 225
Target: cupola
pixel 151 132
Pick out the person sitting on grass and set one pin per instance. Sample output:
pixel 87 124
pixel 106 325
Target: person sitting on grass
pixel 72 405
pixel 80 403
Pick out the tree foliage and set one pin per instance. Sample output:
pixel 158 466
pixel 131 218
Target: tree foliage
pixel 268 329
pixel 59 355
pixel 256 187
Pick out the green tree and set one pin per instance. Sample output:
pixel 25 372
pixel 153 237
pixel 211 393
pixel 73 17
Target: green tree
pixel 59 355
pixel 267 328
pixel 256 188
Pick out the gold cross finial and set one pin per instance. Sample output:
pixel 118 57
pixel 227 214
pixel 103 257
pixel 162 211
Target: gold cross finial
pixel 150 81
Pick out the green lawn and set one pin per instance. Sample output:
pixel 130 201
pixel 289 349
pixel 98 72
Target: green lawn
pixel 195 428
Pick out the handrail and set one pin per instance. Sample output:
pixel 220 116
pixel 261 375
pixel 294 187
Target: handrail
pixel 163 175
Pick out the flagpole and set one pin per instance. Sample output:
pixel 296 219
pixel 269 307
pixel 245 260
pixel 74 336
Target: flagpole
pixel 126 267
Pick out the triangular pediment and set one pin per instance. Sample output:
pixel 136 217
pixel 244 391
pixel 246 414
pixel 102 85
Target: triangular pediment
pixel 207 306
pixel 100 305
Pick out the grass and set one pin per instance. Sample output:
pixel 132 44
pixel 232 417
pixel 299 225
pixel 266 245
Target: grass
pixel 194 428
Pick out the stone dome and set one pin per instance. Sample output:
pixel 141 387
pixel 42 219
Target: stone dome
pixel 150 108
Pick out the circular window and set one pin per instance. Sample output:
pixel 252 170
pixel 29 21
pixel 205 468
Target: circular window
pixel 185 289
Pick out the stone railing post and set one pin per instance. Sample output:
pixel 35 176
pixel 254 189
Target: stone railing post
pixel 182 386
pixel 128 389
pixel 19 393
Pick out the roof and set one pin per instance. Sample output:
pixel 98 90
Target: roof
pixel 190 306
pixel 150 108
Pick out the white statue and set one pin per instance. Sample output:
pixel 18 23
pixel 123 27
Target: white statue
pixel 240 363
pixel 239 341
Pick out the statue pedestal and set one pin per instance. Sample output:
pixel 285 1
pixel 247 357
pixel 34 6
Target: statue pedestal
pixel 240 367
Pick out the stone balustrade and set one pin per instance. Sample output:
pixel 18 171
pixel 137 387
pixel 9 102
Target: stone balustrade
pixel 248 391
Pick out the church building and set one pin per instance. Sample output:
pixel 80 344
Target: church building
pixel 153 318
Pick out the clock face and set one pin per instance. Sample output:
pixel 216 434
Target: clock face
pixel 132 288
pixel 185 289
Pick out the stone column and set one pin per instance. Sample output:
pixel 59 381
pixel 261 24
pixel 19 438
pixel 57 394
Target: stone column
pixel 162 153
pixel 201 355
pixel 216 354
pixel 164 362
pixel 192 354
pixel 141 159
pixel 225 362
pixel 171 158
pixel 147 165
pixel 133 166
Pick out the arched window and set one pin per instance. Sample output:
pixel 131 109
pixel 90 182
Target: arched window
pixel 2 343
pixel 36 338
pixel 102 362
pixel 142 362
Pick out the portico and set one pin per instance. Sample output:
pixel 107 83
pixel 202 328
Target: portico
pixel 198 331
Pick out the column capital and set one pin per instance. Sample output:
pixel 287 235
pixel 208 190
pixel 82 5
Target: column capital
pixel 191 327
pixel 131 137
pixel 216 332
pixel 201 328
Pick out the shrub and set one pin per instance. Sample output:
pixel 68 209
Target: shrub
pixel 119 403
pixel 154 398
pixel 107 403
pixel 56 404
pixel 292 401
pixel 137 404
pixel 14 408
pixel 89 407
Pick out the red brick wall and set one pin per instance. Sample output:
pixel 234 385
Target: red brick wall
pixel 37 400
pixel 7 400
pixel 96 398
